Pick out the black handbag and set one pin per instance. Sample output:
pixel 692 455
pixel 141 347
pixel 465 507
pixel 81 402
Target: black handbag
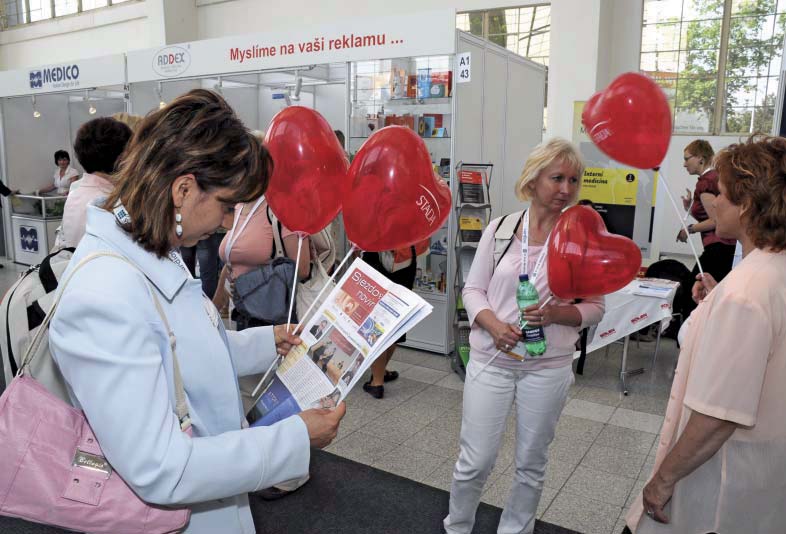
pixel 265 292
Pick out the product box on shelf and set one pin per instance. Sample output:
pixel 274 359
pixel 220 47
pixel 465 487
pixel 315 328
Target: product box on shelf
pixel 438 119
pixel 400 120
pixel 471 228
pixel 439 132
pixel 471 187
pixel 425 126
pixel 440 84
pixel 424 83
pixel 412 86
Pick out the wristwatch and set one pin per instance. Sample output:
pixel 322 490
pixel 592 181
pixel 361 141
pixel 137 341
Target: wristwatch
pixel 690 229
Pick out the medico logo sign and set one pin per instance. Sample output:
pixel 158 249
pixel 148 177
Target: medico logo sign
pixel 59 77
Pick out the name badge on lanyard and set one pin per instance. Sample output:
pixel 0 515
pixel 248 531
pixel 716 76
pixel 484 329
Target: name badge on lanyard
pixel 525 251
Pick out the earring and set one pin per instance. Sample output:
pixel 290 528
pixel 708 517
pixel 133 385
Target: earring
pixel 178 226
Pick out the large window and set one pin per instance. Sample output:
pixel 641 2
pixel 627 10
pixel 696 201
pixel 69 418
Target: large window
pixel 717 60
pixel 16 12
pixel 523 30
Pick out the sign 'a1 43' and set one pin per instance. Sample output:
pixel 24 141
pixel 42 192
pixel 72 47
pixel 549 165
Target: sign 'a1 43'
pixel 464 67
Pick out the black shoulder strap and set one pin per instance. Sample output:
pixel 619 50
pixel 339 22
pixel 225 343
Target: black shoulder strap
pixel 45 272
pixel 10 347
pixel 515 229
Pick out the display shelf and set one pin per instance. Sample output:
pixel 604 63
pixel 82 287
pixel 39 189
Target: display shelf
pixel 474 182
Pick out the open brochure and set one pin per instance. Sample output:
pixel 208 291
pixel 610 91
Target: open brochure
pixel 651 287
pixel 364 315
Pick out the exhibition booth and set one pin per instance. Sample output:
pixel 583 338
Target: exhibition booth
pixel 41 109
pixel 363 75
pixel 472 103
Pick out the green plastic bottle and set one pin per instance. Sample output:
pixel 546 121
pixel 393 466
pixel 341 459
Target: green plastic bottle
pixel 534 337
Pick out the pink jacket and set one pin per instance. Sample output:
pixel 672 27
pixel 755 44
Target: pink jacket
pixel 75 210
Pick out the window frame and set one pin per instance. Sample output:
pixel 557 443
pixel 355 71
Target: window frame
pixel 531 33
pixel 24 13
pixel 718 119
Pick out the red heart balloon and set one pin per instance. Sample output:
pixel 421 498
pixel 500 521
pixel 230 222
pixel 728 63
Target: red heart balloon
pixel 630 121
pixel 585 260
pixel 391 197
pixel 310 166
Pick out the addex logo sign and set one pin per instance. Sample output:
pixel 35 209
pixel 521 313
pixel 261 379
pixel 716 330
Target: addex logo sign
pixel 62 77
pixel 171 61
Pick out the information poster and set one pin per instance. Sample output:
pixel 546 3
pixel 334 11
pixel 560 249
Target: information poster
pixel 613 194
pixel 624 197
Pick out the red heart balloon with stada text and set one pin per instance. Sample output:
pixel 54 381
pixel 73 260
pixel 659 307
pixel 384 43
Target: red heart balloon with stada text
pixel 585 260
pixel 630 121
pixel 392 199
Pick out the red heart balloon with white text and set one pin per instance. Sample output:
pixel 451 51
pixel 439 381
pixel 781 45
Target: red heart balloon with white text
pixel 585 260
pixel 630 121
pixel 392 198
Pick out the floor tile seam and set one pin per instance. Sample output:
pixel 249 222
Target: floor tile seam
pixel 395 444
pixel 573 470
pixel 617 426
pixel 609 472
pixel 570 493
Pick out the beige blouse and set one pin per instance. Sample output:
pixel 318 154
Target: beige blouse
pixel 732 367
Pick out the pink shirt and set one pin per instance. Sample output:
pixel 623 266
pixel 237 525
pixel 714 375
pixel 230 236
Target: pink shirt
pixel 733 367
pixel 254 246
pixel 488 288
pixel 75 209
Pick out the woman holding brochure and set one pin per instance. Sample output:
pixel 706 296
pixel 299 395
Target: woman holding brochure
pixel 187 165
pixel 537 385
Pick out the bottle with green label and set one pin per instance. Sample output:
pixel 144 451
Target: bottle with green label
pixel 534 336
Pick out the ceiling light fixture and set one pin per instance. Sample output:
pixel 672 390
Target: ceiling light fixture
pixel 36 113
pixel 161 103
pixel 91 109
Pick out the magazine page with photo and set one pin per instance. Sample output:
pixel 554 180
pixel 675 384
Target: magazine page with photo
pixel 363 315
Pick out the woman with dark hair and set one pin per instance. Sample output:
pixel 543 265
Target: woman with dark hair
pixel 64 175
pixel 98 145
pixel 720 462
pixel 187 166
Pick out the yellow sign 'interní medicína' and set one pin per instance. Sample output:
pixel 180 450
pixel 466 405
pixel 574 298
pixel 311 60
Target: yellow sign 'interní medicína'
pixel 610 186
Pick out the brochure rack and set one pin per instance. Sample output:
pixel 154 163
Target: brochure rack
pixel 473 213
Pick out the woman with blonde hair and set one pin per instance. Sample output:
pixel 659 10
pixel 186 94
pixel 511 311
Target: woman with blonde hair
pixel 129 119
pixel 537 385
pixel 720 461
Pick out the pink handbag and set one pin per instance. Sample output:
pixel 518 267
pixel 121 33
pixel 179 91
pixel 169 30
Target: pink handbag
pixel 53 470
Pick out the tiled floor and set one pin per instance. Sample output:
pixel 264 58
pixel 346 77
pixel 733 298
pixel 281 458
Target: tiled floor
pixel 603 450
pixel 602 453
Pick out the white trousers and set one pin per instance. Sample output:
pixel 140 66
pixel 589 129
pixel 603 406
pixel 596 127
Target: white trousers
pixel 488 397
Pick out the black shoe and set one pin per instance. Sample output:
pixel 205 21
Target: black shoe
pixel 390 376
pixel 375 391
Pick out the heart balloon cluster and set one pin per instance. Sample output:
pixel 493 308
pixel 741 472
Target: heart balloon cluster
pixel 585 259
pixel 390 195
